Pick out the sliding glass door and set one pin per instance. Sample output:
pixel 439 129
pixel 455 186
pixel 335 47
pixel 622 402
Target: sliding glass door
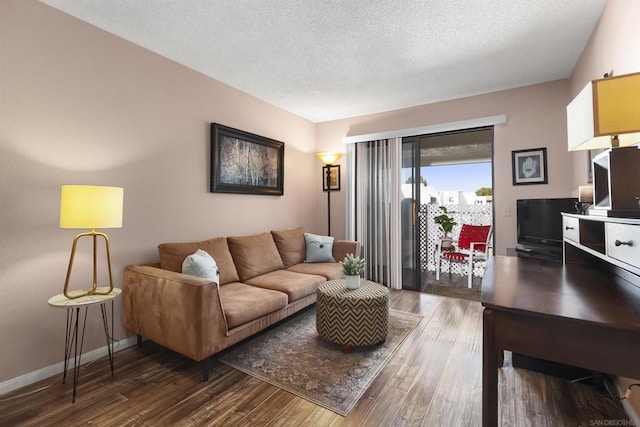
pixel 409 203
pixel 451 169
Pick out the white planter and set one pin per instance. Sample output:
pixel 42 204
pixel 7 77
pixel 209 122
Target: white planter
pixel 353 282
pixel 446 243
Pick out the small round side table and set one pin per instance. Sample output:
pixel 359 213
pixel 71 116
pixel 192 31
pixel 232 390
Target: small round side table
pixel 352 317
pixel 73 307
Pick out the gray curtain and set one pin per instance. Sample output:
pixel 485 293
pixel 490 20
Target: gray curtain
pixel 373 207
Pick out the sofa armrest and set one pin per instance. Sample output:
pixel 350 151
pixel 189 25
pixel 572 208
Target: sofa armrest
pixel 343 247
pixel 175 310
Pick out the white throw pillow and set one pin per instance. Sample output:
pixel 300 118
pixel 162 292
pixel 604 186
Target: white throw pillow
pixel 201 264
pixel 319 248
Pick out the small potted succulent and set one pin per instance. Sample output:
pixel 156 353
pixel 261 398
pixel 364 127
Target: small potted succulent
pixel 446 224
pixel 352 267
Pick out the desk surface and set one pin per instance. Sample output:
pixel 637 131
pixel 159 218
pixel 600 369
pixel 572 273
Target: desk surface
pixel 573 314
pixel 547 288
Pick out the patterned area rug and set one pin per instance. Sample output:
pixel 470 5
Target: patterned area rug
pixel 293 357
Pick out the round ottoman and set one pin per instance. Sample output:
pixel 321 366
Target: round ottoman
pixel 352 317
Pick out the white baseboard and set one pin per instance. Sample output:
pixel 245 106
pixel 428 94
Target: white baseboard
pixel 49 371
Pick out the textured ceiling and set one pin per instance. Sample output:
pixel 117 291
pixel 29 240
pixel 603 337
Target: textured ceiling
pixel 331 59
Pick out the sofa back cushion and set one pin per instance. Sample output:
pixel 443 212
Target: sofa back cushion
pixel 254 255
pixel 291 245
pixel 172 255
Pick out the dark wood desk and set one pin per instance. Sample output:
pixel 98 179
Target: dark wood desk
pixel 572 314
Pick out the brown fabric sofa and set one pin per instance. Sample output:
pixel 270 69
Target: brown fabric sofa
pixel 263 279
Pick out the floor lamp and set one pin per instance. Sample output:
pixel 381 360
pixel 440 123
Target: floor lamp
pixel 90 207
pixel 328 160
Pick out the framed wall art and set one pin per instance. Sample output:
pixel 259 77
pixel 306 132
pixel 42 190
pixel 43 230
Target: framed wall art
pixel 335 178
pixel 245 163
pixel 590 155
pixel 529 166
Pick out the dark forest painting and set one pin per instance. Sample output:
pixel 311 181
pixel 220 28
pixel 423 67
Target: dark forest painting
pixel 242 162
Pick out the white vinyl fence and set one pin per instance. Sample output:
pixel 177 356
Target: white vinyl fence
pixel 430 232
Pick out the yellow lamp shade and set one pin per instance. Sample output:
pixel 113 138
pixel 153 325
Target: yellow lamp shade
pixel 605 107
pixel 329 158
pixel 89 206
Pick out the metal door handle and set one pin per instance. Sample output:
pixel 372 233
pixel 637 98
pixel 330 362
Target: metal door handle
pixel 619 243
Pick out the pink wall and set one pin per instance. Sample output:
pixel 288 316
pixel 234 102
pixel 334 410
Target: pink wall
pixel 614 46
pixel 81 106
pixel 535 118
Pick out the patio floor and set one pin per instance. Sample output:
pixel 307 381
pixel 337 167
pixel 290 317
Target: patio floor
pixel 455 282
pixel 449 280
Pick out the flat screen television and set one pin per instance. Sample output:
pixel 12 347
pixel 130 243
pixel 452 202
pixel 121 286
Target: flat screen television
pixel 539 221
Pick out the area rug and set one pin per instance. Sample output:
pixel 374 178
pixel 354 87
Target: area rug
pixel 448 291
pixel 293 357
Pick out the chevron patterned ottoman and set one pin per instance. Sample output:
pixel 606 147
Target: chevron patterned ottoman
pixel 352 317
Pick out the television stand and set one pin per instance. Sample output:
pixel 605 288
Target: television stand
pixel 559 370
pixel 551 254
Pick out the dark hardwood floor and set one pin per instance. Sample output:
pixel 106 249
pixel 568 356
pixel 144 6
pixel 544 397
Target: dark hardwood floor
pixel 433 380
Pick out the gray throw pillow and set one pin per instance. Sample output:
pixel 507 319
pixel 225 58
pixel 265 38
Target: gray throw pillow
pixel 319 248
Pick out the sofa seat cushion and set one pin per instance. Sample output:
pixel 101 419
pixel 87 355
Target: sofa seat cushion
pixel 243 303
pixel 329 270
pixel 295 285
pixel 254 255
pixel 172 255
pixel 291 245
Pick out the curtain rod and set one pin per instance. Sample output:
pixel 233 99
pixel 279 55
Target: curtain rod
pixel 423 130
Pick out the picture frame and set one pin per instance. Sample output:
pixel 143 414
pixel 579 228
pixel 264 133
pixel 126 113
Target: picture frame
pixel 590 155
pixel 335 178
pixel 245 163
pixel 529 166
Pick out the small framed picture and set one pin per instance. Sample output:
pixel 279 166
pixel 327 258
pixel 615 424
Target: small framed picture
pixel 334 178
pixel 529 166
pixel 591 155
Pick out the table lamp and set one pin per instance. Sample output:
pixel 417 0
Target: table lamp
pixel 328 160
pixel 606 114
pixel 585 198
pixel 90 207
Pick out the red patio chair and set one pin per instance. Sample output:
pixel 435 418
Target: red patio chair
pixel 472 245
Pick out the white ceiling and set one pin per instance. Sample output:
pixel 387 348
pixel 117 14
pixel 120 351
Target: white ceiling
pixel 331 59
